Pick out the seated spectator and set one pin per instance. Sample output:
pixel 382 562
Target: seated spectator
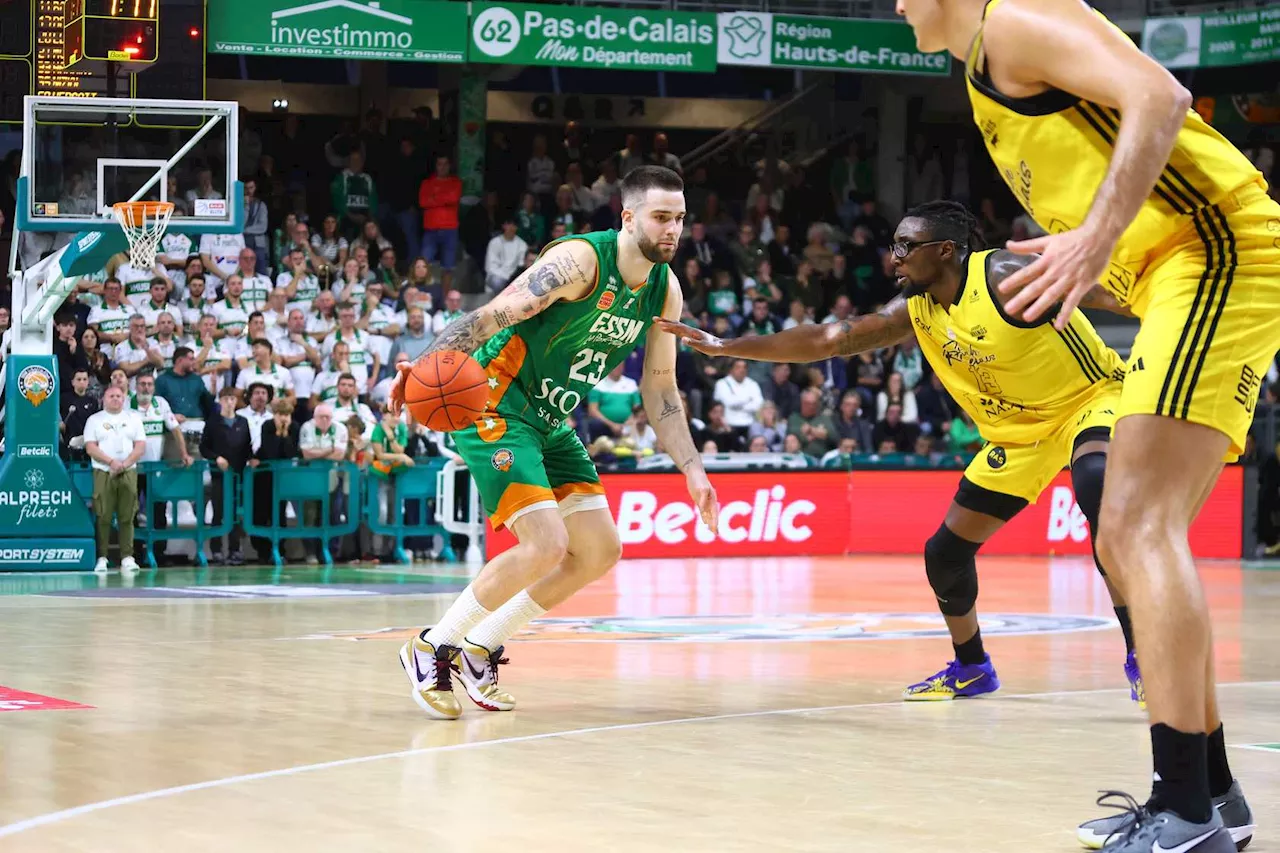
pixel 195 305
pixel 869 217
pixel 760 321
pixel 66 348
pixel 325 387
pixel 606 186
pixel 228 442
pixel 782 391
pixel 892 428
pixel 868 376
pixel 350 286
pixel 764 286
pixel 816 251
pixel 764 219
pixel 909 363
pixel 323 319
pixel 111 319
pixel 895 393
pixel 503 257
pixel 923 451
pixel 964 436
pixel 717 432
pixel 364 363
pixel 564 213
pixel 798 315
pixel 816 429
pixel 232 310
pixel 610 404
pixel 387 274
pixel 934 407
pixel 98 361
pixel 263 370
pixel 694 285
pixel 414 339
pixel 720 225
pixel 807 288
pixel 346 405
pixel 707 250
pixel 114 440
pixel 768 428
pixel 451 311
pixel 724 300
pixel 214 356
pixel 850 423
pixel 791 444
pixel 741 397
pixel 637 432
pixel 164 341
pixel 781 253
pixel 868 285
pixel 842 457
pixel 371 239
pixel 354 195
pixel 531 225
pixel 159 302
pixel 276 315
pixel 841 308
pixel 758 444
pixel 382 391
pixel 136 352
pixel 381 320
pixel 840 281
pixel 330 245
pixel 585 201
pixel 420 287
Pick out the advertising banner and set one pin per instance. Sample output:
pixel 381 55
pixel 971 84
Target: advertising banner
pixel 865 512
pixel 586 37
pixel 403 30
pixel 833 44
pixel 1231 38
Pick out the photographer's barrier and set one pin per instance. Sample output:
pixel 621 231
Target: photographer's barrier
pixel 461 514
pixel 417 487
pixel 859 512
pixel 304 482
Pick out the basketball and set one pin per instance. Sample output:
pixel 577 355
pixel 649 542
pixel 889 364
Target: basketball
pixel 446 391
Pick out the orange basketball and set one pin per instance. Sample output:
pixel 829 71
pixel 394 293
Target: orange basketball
pixel 446 391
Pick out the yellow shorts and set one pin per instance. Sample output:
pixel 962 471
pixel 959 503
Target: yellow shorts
pixel 1211 319
pixel 1024 470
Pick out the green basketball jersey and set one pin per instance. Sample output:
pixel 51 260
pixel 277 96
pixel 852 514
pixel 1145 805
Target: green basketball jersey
pixel 541 369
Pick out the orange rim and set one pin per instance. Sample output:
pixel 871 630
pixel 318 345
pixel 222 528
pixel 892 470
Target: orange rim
pixel 137 213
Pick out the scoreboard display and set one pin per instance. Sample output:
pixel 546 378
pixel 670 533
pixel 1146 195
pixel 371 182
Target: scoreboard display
pixel 110 31
pixel 67 47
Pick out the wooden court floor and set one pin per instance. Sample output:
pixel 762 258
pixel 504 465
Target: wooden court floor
pixel 699 705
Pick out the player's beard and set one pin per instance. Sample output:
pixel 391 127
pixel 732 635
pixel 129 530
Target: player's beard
pixel 653 253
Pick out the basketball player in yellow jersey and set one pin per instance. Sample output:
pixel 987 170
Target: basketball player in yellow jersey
pixel 1042 399
pixel 1138 193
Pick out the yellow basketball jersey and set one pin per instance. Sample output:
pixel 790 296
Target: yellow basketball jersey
pixel 1016 380
pixel 1054 149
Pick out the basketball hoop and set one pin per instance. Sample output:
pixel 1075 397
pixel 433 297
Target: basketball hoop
pixel 144 223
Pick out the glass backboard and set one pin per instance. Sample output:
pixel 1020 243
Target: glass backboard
pixel 81 155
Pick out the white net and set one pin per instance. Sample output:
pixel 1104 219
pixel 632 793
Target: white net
pixel 144 223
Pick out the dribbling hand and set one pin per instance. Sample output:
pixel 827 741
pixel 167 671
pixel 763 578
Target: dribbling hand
pixel 1070 264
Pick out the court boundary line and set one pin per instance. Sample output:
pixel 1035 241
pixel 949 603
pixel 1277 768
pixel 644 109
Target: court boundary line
pixel 227 781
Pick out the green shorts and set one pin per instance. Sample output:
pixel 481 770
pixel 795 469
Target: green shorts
pixel 520 468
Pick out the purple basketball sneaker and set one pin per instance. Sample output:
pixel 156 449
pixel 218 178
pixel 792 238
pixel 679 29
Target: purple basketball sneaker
pixel 957 681
pixel 1134 675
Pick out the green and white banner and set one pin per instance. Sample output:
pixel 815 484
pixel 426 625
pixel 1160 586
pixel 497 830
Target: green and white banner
pixel 404 30
pixel 1232 38
pixel 585 37
pixel 834 44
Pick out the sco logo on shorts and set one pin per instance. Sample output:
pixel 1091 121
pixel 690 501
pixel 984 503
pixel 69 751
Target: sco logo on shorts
pixel 502 459
pixel 996 457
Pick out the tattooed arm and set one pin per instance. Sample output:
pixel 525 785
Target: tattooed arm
pixel 804 344
pixel 662 404
pixel 566 271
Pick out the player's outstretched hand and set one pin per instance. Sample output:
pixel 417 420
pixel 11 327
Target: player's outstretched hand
pixel 395 402
pixel 704 342
pixel 1070 264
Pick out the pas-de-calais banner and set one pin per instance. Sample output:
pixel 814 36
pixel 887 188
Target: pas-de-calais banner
pixel 403 30
pixel 586 37
pixel 833 44
pixel 1232 38
pixel 863 512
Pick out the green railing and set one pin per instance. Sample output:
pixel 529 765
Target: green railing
pixel 304 482
pixel 414 486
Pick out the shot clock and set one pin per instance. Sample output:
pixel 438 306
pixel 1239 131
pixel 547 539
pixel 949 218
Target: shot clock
pixel 124 31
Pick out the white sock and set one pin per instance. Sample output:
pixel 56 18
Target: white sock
pixel 463 615
pixel 502 624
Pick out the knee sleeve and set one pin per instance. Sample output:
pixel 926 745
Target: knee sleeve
pixel 949 565
pixel 1087 475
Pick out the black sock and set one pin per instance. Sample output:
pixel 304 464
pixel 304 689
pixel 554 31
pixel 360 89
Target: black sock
pixel 970 652
pixel 1220 777
pixel 1182 773
pixel 1122 613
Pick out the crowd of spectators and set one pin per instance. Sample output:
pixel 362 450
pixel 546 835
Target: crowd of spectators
pixel 281 342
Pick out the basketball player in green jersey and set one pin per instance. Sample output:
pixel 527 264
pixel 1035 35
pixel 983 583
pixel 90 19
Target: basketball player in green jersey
pixel 545 341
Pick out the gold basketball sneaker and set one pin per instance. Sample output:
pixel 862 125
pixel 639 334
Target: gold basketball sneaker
pixel 478 669
pixel 430 672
